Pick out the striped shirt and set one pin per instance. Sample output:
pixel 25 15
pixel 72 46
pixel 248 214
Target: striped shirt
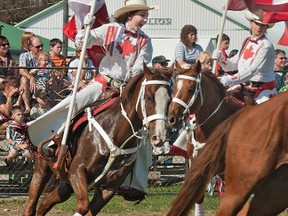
pixel 183 53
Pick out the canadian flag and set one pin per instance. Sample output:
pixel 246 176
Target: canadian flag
pixel 271 11
pixel 81 8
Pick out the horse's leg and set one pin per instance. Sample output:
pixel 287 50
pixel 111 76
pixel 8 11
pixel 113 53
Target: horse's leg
pixel 41 176
pixel 60 194
pixel 240 185
pixel 100 198
pixel 270 199
pixel 77 178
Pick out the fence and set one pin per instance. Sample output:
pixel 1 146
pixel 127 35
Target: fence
pixel 165 175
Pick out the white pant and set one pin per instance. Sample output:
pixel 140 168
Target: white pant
pixel 41 128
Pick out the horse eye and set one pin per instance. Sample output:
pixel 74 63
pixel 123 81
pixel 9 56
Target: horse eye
pixel 149 98
pixel 191 91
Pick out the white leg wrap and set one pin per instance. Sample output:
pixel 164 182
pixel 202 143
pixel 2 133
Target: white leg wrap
pixel 199 209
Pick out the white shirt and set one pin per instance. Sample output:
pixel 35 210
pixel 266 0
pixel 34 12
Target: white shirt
pixel 124 52
pixel 255 62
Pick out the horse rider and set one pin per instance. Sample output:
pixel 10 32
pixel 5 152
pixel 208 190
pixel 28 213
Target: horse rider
pixel 254 61
pixel 127 47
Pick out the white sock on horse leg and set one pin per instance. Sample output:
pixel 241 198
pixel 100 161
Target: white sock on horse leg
pixel 199 209
pixel 77 214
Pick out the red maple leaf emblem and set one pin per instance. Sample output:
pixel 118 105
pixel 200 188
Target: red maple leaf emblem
pixel 248 53
pixel 125 47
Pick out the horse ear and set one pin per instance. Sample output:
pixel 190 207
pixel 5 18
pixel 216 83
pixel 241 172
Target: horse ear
pixel 147 71
pixel 198 66
pixel 178 66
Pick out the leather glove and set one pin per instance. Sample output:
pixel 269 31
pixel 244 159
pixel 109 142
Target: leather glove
pixel 226 80
pixel 217 54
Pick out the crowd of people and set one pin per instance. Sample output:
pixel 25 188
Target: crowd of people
pixel 33 91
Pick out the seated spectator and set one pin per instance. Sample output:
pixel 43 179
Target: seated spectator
pixel 10 95
pixel 24 41
pixel 57 59
pixel 42 75
pixel 160 62
pixel 86 74
pixel 59 87
pixel 41 104
pixel 6 60
pixel 29 59
pixel 16 137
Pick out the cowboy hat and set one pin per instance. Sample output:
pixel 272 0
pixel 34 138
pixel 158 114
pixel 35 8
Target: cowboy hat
pixel 253 17
pixel 132 5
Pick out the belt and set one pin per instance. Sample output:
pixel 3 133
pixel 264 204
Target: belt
pixel 113 82
pixel 254 84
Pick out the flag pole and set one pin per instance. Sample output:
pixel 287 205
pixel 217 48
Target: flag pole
pixel 221 33
pixel 80 66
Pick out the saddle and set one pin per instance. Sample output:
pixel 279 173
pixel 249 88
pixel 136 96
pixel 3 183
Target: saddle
pixel 78 122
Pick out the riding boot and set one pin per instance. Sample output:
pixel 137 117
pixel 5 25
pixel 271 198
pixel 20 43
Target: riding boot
pixel 60 156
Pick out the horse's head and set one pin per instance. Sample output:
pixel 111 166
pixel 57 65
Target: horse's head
pixel 152 103
pixel 185 93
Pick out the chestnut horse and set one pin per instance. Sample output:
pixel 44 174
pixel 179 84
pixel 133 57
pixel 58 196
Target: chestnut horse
pixel 252 147
pixel 102 160
pixel 201 93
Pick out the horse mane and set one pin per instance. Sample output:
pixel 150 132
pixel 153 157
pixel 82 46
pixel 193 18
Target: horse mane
pixel 130 87
pixel 232 104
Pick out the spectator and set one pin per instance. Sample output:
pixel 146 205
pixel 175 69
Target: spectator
pixel 57 59
pixel 205 59
pixel 160 62
pixel 8 95
pixel 6 60
pixel 279 64
pixel 86 74
pixel 187 49
pixel 16 137
pixel 224 45
pixel 254 62
pixel 41 104
pixel 42 75
pixel 24 41
pixel 29 59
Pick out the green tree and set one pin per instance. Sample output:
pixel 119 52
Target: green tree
pixel 14 11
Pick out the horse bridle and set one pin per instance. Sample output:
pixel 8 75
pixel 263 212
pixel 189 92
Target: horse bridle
pixel 194 96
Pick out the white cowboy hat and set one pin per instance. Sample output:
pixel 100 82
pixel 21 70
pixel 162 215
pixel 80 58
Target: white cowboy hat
pixel 253 17
pixel 132 5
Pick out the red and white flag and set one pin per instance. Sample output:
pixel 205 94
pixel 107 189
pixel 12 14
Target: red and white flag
pixel 81 8
pixel 271 11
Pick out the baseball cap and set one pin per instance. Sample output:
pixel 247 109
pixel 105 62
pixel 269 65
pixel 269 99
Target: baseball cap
pixel 159 59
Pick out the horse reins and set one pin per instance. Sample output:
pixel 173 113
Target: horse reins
pixel 114 150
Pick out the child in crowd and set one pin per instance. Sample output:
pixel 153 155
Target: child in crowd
pixel 224 45
pixel 205 59
pixel 58 60
pixel 16 137
pixel 42 76
pixel 59 86
pixel 24 41
pixel 41 104
pixel 86 74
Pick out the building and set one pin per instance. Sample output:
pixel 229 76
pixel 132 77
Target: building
pixel 164 25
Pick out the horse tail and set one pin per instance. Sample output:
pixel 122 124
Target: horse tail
pixel 210 162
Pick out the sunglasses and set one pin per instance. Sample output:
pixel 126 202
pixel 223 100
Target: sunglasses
pixel 39 46
pixel 283 58
pixel 5 44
